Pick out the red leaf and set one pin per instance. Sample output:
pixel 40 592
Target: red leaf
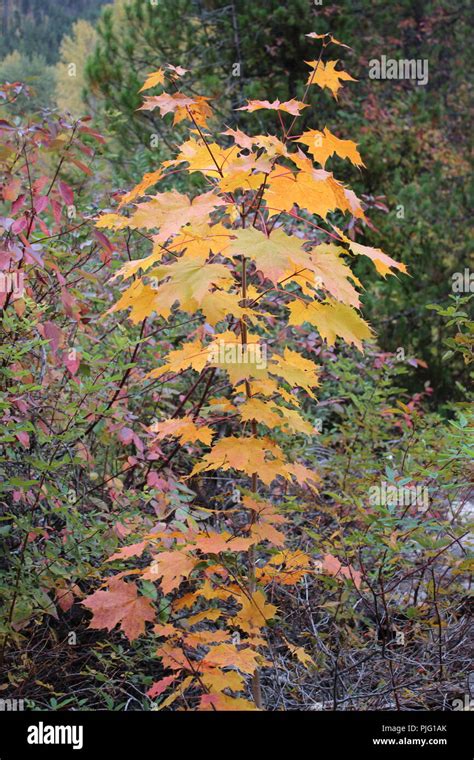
pixel 81 166
pixel 53 333
pixel 92 133
pixel 66 193
pixel 41 203
pixel 39 184
pixel 72 361
pixel 16 205
pixel 19 225
pixel 160 686
pixel 24 438
pixel 57 210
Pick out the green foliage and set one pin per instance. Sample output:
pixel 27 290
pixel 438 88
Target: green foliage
pixel 35 74
pixel 463 339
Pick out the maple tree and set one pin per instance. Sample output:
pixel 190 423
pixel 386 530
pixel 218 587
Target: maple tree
pixel 225 255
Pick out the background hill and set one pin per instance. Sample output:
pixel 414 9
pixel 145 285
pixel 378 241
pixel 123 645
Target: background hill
pixel 39 25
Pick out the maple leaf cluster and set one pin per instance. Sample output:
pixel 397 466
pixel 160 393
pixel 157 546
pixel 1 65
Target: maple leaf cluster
pixel 225 256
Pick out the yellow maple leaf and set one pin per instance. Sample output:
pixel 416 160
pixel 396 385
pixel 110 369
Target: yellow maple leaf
pixel 207 158
pixel 268 387
pixel 257 455
pixel 223 702
pixel 315 190
pixel 383 262
pixel 264 412
pixel 303 475
pixel 324 144
pixel 199 111
pixel 213 542
pixel 178 692
pixel 264 510
pixel 254 613
pixel 141 298
pixel 191 354
pixel 218 680
pixel 326 75
pixel 189 280
pixel 334 274
pixel 149 179
pixel 240 138
pixel 287 567
pixel 217 305
pixel 262 527
pixel 201 239
pixel 241 172
pixel 332 319
pixel 211 614
pixel 205 638
pixel 300 654
pixel 221 404
pixel 130 268
pixel 355 204
pixel 294 422
pixel 273 415
pixel 185 429
pixel 239 360
pixel 206 591
pixel 274 256
pixel 171 210
pixel 112 221
pixel 156 77
pixel 264 531
pixel 272 145
pixel 295 369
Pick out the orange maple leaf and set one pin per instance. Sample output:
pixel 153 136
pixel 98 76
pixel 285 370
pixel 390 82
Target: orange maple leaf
pixel 120 604
pixel 214 543
pixel 166 103
pixel 226 655
pixel 294 107
pixel 221 701
pixel 334 567
pixel 172 567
